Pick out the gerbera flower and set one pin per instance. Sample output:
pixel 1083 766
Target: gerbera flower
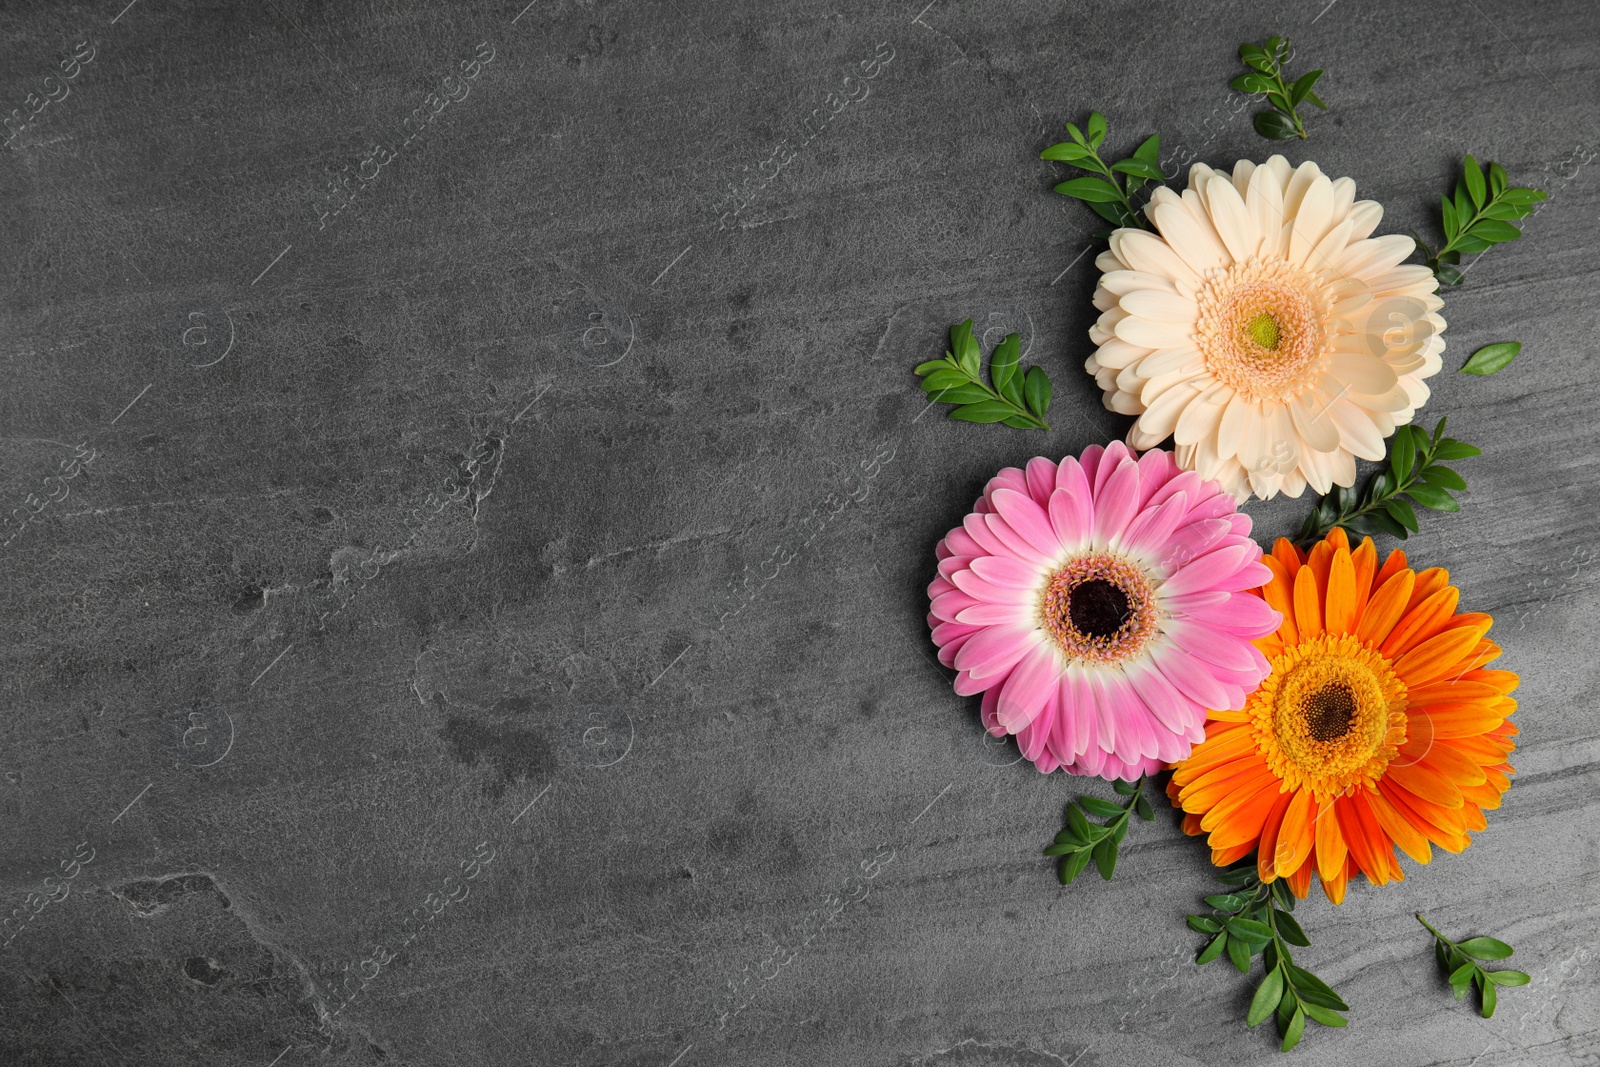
pixel 1379 726
pixel 1101 606
pixel 1263 329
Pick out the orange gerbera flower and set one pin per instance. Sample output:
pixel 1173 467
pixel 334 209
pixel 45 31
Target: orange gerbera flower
pixel 1379 725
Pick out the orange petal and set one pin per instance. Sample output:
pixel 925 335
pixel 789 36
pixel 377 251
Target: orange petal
pixel 1391 566
pixel 1238 819
pixel 1307 604
pixel 1210 790
pixel 1338 539
pixel 1222 857
pixel 1443 828
pixel 1294 835
pixel 1463 690
pixel 1458 720
pixel 1484 796
pixel 1223 744
pixel 1436 658
pixel 1379 843
pixel 1486 750
pixel 1429 582
pixel 1334 887
pixel 1319 560
pixel 1356 840
pixel 1279 594
pixel 1424 781
pixel 1269 837
pixel 1411 840
pixel 1341 611
pixel 1503 681
pixel 1284 552
pixel 1388 604
pixel 1330 846
pixel 1300 881
pixel 1450 762
pixel 1421 622
pixel 1365 562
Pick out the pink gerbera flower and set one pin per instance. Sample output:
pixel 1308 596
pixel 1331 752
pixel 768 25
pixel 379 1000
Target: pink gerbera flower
pixel 1101 607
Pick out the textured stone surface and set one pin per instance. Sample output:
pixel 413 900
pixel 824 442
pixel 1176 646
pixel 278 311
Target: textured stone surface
pixel 537 544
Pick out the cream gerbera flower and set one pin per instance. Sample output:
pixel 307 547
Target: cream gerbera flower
pixel 1263 329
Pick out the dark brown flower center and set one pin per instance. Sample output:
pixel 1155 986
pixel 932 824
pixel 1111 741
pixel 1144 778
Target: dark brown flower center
pixel 1097 608
pixel 1329 712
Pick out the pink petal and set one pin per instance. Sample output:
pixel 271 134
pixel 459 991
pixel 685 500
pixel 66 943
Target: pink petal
pixel 1116 502
pixel 1156 468
pixel 1240 613
pixel 996 650
pixel 1187 674
pixel 1030 689
pixel 1072 519
pixel 1041 475
pixel 947 607
pixel 970 583
pixel 1214 646
pixel 1148 533
pixel 991 614
pixel 1007 571
pixel 1209 571
pixel 960 543
pixel 1015 544
pixel 1172 709
pixel 1063 733
pixel 1029 520
pixel 1089 461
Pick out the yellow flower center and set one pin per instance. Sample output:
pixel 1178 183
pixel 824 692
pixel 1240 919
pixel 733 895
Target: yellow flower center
pixel 1330 716
pixel 1264 327
pixel 1263 330
pixel 1099 609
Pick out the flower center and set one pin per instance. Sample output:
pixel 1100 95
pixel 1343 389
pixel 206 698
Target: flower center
pixel 1330 716
pixel 1264 327
pixel 1099 609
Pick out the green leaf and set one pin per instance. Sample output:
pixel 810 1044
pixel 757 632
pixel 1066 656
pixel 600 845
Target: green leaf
pixel 1076 134
pixel 1252 83
pixel 1313 98
pixel 1401 512
pixel 1144 810
pixel 1507 977
pixel 1289 928
pixel 1302 86
pixel 1462 975
pixel 1103 808
pixel 1097 129
pixel 1274 126
pixel 1124 787
pixel 1094 190
pixel 1036 391
pixel 1452 223
pixel 1325 1016
pixel 964 346
pixel 1475 183
pixel 1239 953
pixel 1448 275
pixel 1495 231
pixel 1297 1026
pixel 1150 151
pixel 1067 152
pixel 1003 369
pixel 960 394
pixel 1402 454
pixel 1202 924
pixel 1487 997
pixel 1247 52
pixel 1072 866
pixel 1309 984
pixel 1443 478
pixel 1076 822
pixel 1266 998
pixel 984 411
pixel 1433 498
pixel 1213 949
pixel 1492 358
pixel 1249 930
pixel 944 378
pixel 1063 849
pixel 1485 948
pixel 1524 196
pixel 1497 180
pixel 1139 168
pixel 1228 902
pixel 933 365
pixel 1238 875
pixel 1105 858
pixel 1450 448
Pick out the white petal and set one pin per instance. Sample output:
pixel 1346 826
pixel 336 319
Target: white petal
pixel 1196 243
pixel 1158 305
pixel 1311 222
pixel 1232 221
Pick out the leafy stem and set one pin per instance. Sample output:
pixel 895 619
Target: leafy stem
pixel 1255 917
pixel 1415 474
pixel 1266 79
pixel 1111 194
pixel 1015 398
pixel 1479 215
pixel 1456 959
pixel 1081 840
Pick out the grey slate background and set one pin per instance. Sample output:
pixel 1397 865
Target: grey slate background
pixel 661 651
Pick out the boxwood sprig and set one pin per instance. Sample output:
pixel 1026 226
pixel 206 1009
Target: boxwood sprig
pixel 1081 840
pixel 1111 194
pixel 1478 216
pixel 1266 78
pixel 1017 398
pixel 1456 959
pixel 1415 474
pixel 1254 918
